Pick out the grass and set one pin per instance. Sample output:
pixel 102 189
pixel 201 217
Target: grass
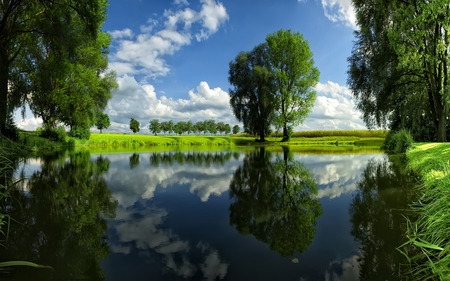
pixel 428 245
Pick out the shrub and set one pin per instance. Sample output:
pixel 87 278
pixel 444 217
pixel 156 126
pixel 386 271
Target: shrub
pixel 398 142
pixel 59 134
pixel 80 133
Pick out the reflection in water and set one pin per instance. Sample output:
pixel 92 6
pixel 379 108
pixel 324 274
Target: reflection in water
pixel 275 201
pixel 134 161
pixel 378 226
pixel 205 159
pixel 140 229
pixel 60 219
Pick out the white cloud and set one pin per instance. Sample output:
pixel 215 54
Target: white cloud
pixel 141 102
pixel 145 53
pixel 125 33
pixel 334 108
pixel 344 269
pixel 340 11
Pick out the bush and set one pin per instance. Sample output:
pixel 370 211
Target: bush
pixel 59 134
pixel 80 133
pixel 10 131
pixel 398 142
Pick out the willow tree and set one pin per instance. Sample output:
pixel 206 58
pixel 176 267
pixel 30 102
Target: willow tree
pixel 295 76
pixel 23 20
pixel 251 99
pixel 399 64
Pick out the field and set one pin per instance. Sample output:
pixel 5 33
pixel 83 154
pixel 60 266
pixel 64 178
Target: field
pixel 316 138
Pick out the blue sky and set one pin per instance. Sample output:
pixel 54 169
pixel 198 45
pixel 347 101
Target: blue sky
pixel 172 57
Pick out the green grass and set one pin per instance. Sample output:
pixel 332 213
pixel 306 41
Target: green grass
pixel 428 246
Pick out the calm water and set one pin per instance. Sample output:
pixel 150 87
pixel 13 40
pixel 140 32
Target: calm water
pixel 226 215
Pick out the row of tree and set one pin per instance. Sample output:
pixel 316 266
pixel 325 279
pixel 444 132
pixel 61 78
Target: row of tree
pixel 273 84
pixel 182 127
pixel 53 56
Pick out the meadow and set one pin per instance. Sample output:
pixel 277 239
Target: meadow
pixel 316 138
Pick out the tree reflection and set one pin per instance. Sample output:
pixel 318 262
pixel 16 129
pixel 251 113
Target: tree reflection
pixel 196 158
pixel 385 190
pixel 275 201
pixel 134 161
pixel 61 216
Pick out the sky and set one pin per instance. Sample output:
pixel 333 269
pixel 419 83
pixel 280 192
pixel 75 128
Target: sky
pixel 172 58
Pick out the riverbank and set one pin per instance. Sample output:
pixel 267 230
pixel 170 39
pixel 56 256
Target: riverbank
pixel 429 235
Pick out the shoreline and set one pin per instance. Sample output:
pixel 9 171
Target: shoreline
pixel 430 233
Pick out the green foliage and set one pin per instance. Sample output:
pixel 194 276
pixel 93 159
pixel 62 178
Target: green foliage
pixel 155 126
pixel 236 129
pixel 291 62
pixel 134 125
pixel 398 142
pixel 399 64
pixel 80 133
pixel 59 134
pixel 427 236
pixel 103 121
pixel 10 131
pixel 252 98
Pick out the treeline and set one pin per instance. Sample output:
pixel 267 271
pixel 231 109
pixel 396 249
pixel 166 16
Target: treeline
pixel 186 127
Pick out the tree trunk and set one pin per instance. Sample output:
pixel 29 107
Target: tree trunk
pixel 4 72
pixel 262 135
pixel 441 126
pixel 285 134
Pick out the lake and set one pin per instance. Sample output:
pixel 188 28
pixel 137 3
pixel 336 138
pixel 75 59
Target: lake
pixel 240 214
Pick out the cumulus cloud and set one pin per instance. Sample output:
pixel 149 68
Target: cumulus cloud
pixel 334 108
pixel 145 53
pixel 340 11
pixel 344 269
pixel 142 103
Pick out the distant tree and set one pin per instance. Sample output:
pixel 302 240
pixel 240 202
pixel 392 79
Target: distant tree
pixel 178 128
pixel 155 126
pixel 295 76
pixel 227 129
pixel 103 121
pixel 170 126
pixel 252 98
pixel 134 125
pixel 201 127
pixel 221 127
pixel 195 129
pixel 164 126
pixel 211 126
pixel 189 127
pixel 236 129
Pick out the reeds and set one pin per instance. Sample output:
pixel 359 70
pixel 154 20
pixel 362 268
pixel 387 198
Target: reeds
pixel 428 245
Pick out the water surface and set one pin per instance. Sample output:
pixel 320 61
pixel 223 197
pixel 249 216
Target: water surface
pixel 218 215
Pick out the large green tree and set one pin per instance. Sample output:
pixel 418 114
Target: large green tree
pixel 291 63
pixel 252 98
pixel 22 22
pixel 399 65
pixel 154 126
pixel 273 84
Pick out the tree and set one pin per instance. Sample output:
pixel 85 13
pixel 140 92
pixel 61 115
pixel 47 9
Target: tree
pixel 25 25
pixel 134 125
pixel 227 129
pixel 291 62
pixel 200 126
pixel 236 129
pixel 189 127
pixel 252 98
pixel 211 126
pixel 399 64
pixel 103 121
pixel 179 128
pixel 155 127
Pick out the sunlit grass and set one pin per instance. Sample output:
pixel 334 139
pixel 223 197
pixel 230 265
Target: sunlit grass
pixel 428 245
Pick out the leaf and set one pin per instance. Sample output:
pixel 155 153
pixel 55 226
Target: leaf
pixel 22 263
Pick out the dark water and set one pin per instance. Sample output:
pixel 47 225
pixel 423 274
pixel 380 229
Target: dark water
pixel 226 215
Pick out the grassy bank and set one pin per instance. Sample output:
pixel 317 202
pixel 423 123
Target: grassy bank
pixel 429 244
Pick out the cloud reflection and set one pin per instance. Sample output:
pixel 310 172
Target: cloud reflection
pixel 141 228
